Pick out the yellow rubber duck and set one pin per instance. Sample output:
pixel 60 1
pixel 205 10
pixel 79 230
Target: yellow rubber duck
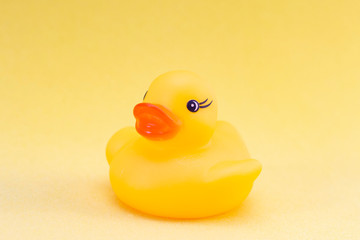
pixel 179 161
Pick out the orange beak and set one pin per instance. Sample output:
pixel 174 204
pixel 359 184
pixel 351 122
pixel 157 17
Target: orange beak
pixel 155 122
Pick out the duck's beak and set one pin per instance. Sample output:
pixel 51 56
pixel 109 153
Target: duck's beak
pixel 155 122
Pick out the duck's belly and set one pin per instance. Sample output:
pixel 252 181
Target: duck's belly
pixel 178 187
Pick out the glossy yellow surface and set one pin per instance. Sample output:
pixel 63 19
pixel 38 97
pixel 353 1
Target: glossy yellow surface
pixel 286 75
pixel 204 170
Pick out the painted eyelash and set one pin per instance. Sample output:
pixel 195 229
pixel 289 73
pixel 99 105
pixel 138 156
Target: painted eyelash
pixel 207 105
pixel 204 101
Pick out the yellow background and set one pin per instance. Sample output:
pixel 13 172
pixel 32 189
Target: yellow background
pixel 287 75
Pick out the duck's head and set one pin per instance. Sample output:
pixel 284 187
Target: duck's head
pixel 178 110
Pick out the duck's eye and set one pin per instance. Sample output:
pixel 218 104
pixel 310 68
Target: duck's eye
pixel 145 95
pixel 193 106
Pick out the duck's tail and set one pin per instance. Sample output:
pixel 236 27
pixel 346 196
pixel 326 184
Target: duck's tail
pixel 249 169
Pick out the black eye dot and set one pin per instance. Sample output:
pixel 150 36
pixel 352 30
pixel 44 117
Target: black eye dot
pixel 193 106
pixel 145 95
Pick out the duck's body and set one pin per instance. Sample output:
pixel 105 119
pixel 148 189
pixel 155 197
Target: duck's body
pixel 205 182
pixel 172 179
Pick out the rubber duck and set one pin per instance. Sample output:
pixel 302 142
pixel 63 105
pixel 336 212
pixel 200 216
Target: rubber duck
pixel 179 161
